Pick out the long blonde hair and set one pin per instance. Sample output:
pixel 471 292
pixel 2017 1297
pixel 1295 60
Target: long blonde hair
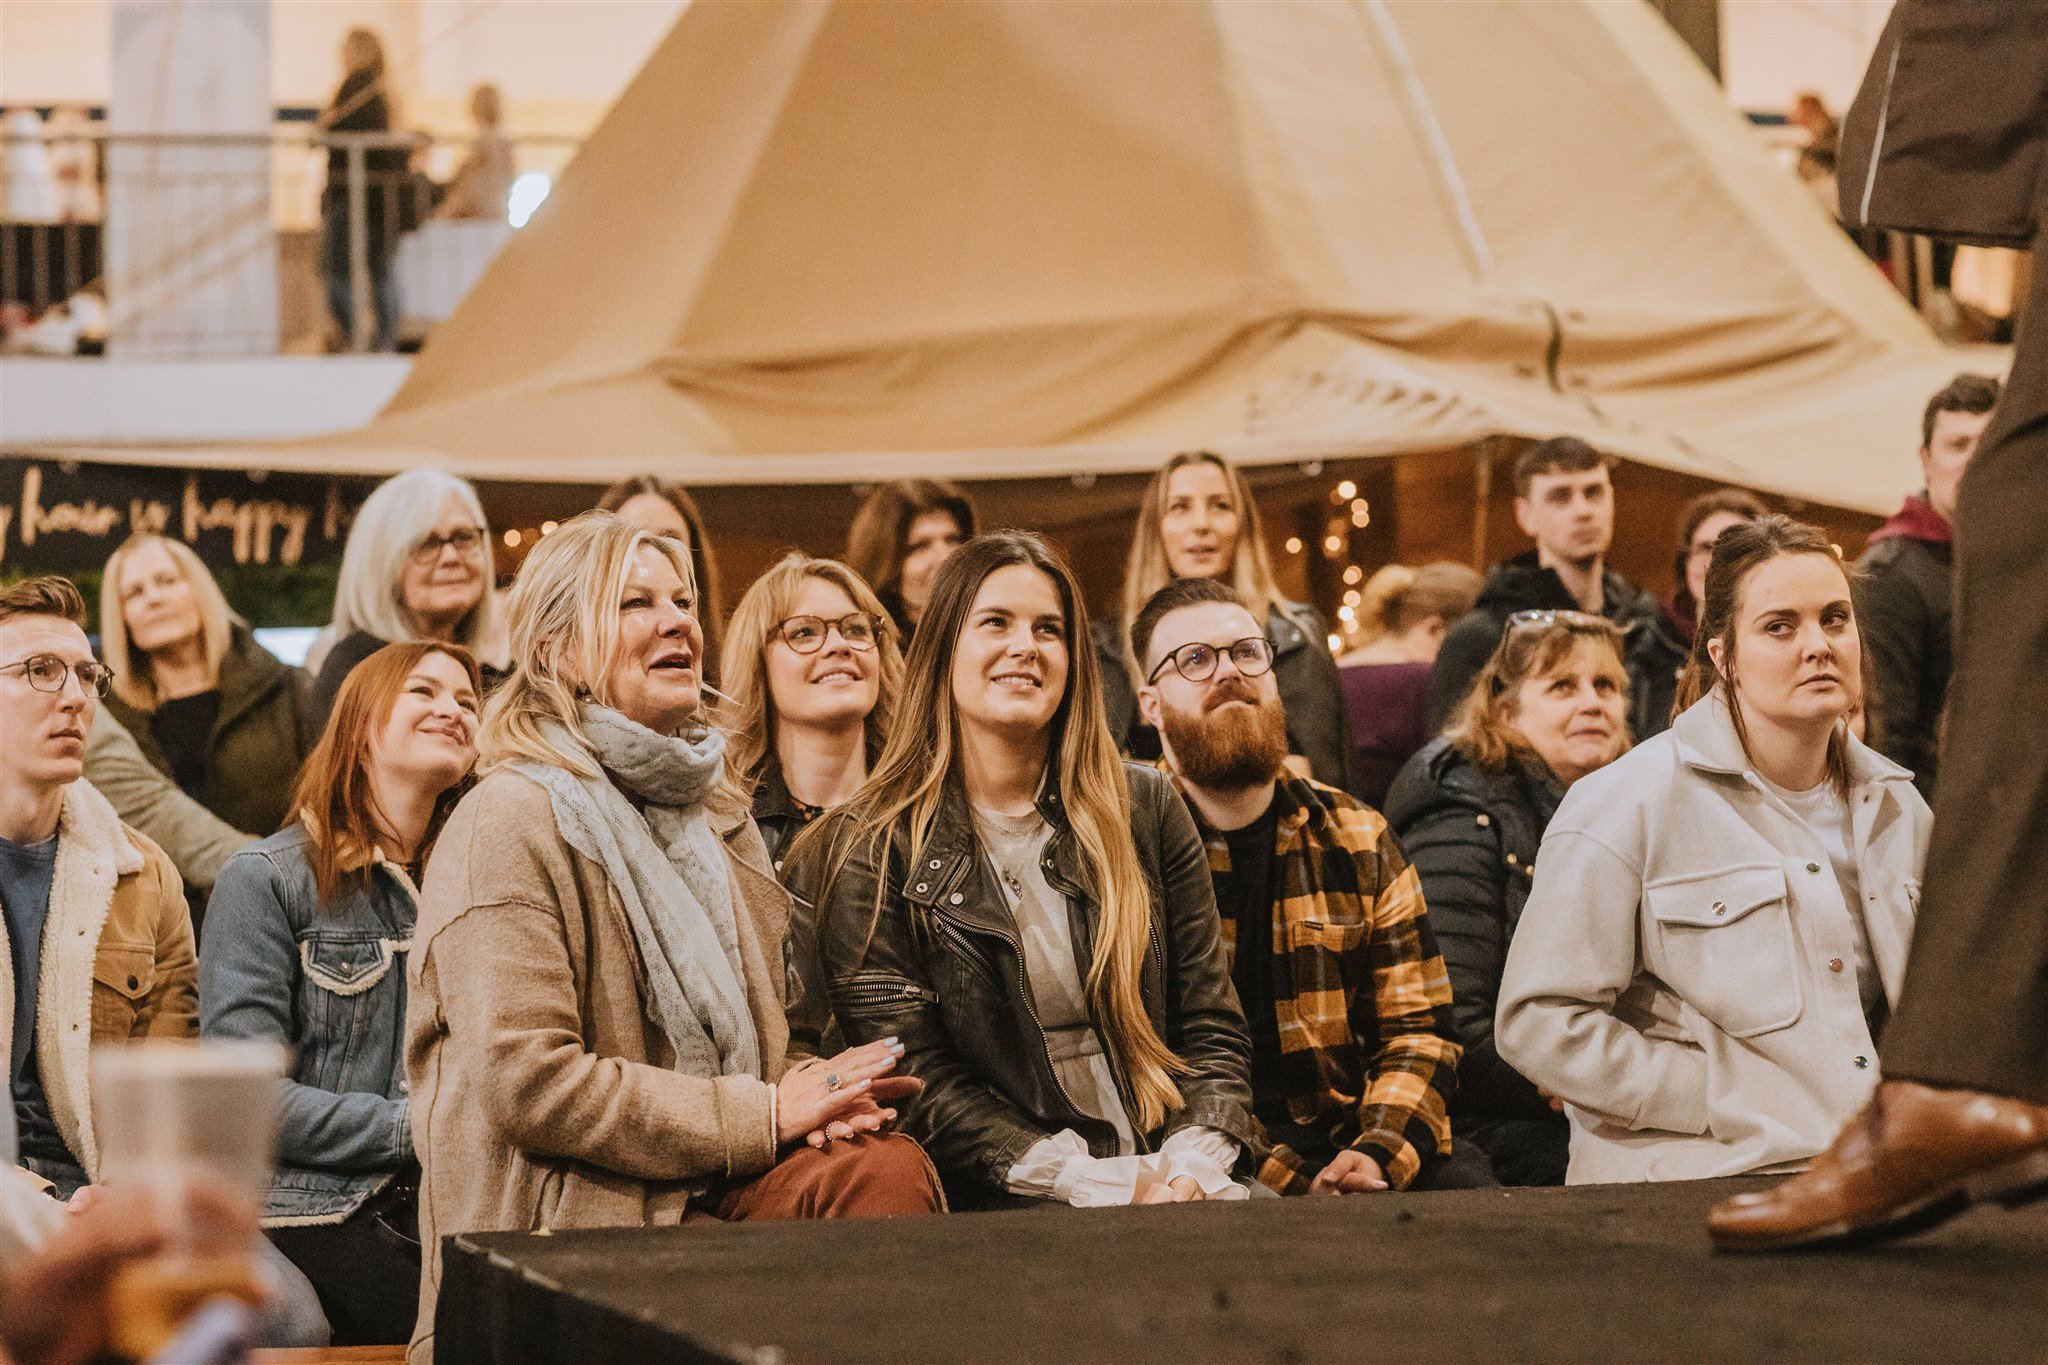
pixel 909 783
pixel 133 681
pixel 564 613
pixel 1146 570
pixel 747 713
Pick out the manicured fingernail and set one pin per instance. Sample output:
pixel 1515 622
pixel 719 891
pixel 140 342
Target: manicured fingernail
pixel 891 1039
pixel 863 1085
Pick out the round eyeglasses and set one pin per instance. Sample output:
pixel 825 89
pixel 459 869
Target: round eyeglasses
pixel 467 540
pixel 806 634
pixel 46 673
pixel 1196 662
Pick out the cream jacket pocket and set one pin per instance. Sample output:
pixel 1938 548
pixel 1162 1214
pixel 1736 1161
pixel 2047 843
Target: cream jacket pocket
pixel 1723 943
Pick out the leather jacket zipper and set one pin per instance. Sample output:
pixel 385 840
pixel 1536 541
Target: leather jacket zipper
pixel 1024 988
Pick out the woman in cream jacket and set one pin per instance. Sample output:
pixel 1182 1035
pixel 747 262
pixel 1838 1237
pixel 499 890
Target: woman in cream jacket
pixel 1719 921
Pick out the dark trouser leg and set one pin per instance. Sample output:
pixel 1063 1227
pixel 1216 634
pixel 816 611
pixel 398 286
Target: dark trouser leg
pixel 1465 1168
pixel 369 1283
pixel 862 1177
pixel 334 263
pixel 1974 1012
pixel 1521 1151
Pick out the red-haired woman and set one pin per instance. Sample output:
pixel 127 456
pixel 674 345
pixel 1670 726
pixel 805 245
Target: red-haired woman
pixel 306 936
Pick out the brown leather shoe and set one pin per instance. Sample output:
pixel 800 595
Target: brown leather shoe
pixel 1914 1157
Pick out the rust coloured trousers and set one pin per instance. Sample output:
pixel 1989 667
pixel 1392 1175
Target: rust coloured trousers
pixel 860 1177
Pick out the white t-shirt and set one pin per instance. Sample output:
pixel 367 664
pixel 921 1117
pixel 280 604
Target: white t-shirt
pixel 1827 815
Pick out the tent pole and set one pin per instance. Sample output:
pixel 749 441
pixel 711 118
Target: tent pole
pixel 1482 497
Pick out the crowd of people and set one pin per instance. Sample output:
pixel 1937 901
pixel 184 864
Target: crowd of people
pixel 903 887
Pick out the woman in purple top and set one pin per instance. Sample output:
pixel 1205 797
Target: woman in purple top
pixel 1405 613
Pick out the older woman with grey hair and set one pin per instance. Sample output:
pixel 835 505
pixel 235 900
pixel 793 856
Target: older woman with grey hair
pixel 417 567
pixel 597 1030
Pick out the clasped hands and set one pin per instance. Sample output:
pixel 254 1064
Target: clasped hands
pixel 825 1099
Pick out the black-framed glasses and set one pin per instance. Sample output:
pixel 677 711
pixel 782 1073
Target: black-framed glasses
pixel 806 634
pixel 467 540
pixel 46 673
pixel 1197 661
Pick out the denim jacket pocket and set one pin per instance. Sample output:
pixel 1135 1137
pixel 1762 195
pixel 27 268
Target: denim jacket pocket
pixel 1726 946
pixel 348 965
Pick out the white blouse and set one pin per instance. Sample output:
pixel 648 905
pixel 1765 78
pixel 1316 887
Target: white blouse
pixel 1060 1167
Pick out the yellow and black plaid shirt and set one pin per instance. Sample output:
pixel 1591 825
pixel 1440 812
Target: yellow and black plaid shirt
pixel 1360 991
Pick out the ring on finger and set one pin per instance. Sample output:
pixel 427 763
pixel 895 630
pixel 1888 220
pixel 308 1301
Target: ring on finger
pixel 832 1082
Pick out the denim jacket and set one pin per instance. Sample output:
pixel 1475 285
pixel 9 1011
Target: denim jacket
pixel 330 986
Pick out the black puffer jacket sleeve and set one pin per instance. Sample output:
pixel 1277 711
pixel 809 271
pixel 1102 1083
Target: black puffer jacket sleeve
pixel 1455 847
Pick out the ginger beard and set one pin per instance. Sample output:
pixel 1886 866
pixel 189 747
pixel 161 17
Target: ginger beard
pixel 1227 747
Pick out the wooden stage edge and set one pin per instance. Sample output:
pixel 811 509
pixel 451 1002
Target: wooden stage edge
pixel 1607 1273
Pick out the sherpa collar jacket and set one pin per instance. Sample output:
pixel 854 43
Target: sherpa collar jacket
pixel 117 960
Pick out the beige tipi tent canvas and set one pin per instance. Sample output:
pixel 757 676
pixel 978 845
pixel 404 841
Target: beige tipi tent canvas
pixel 826 240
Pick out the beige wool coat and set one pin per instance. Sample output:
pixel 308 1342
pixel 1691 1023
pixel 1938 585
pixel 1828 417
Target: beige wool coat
pixel 543 1096
pixel 1683 974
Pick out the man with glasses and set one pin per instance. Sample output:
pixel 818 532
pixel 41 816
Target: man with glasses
pixel 1346 996
pixel 99 943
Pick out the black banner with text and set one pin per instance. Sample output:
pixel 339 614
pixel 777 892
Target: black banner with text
pixel 64 516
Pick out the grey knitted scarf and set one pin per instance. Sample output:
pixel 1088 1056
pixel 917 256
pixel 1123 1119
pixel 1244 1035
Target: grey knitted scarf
pixel 669 869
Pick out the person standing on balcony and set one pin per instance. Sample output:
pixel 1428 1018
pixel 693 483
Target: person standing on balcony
pixel 482 185
pixel 362 104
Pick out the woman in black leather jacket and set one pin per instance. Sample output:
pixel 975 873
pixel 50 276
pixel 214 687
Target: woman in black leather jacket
pixel 1031 918
pixel 1470 811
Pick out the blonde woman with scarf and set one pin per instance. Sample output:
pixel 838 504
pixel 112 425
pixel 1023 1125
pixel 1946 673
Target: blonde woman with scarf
pixel 595 1032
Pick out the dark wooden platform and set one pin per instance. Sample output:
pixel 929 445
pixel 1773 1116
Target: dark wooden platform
pixel 1601 1273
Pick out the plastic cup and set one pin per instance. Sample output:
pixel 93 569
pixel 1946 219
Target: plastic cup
pixel 194 1123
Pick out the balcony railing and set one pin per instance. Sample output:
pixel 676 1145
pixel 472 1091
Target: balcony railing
pixel 296 242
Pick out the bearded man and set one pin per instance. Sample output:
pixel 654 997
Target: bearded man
pixel 1347 997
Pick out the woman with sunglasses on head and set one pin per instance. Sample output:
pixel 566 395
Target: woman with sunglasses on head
pixel 417 567
pixel 812 673
pixel 1032 918
pixel 1197 519
pixel 1719 921
pixel 1470 810
pixel 307 938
